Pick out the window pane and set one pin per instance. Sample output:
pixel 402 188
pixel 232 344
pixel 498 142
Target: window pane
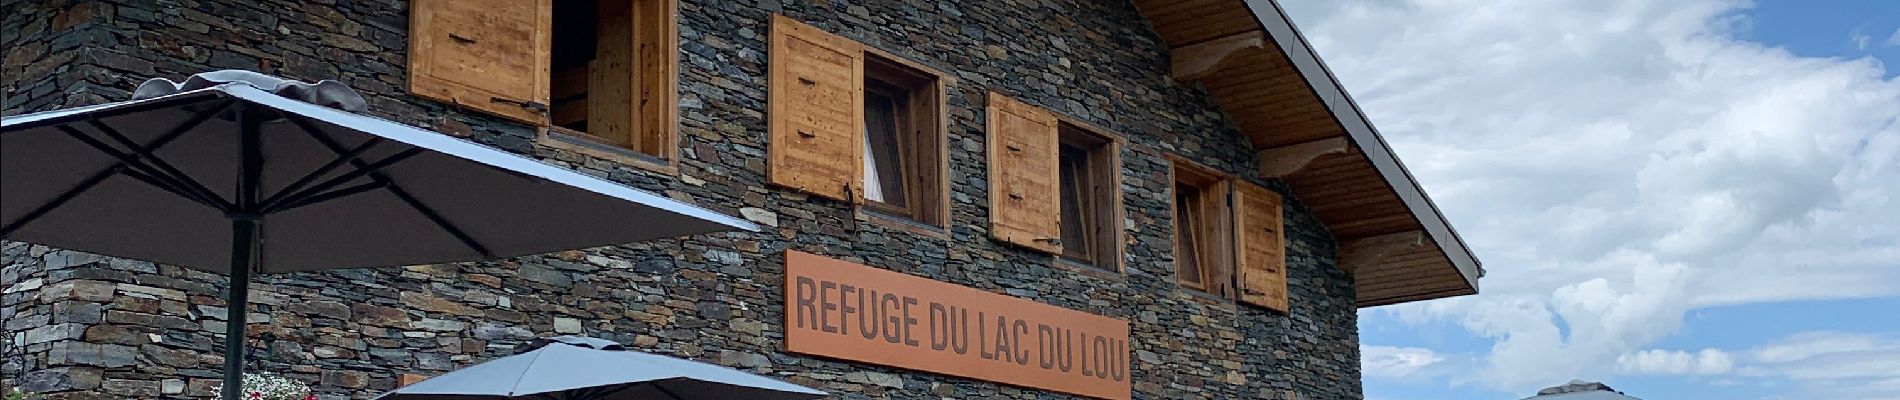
pixel 883 170
pixel 1187 258
pixel 1077 210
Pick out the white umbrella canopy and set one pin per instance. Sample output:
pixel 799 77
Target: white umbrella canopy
pixel 239 173
pixel 584 368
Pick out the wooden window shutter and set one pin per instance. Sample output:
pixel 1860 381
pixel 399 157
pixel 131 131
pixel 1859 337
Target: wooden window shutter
pixel 487 55
pixel 1218 253
pixel 816 115
pixel 1023 150
pixel 1260 238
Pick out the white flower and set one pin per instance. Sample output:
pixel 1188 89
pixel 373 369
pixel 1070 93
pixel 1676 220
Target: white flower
pixel 268 386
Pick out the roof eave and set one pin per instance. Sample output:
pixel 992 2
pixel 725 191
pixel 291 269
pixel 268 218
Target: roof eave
pixel 1339 103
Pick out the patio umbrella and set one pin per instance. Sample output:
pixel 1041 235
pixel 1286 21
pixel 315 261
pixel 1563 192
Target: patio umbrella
pixel 1580 390
pixel 584 368
pixel 241 173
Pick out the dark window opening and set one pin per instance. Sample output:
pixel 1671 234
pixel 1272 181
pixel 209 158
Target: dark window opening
pixel 576 46
pixel 610 73
pixel 1187 260
pixel 883 145
pixel 1203 230
pixel 1090 225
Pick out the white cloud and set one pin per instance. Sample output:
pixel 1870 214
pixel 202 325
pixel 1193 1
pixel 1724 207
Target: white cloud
pixel 1676 362
pixel 1831 364
pixel 1810 344
pixel 1860 40
pixel 1618 163
pixel 1894 40
pixel 1395 362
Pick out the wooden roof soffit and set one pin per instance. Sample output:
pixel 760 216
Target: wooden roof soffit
pixel 1196 61
pixel 1279 162
pixel 1308 132
pixel 1435 229
pixel 1372 250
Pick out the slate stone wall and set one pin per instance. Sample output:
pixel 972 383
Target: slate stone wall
pixel 86 326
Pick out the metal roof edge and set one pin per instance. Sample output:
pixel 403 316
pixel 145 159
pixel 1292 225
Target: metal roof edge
pixel 1359 129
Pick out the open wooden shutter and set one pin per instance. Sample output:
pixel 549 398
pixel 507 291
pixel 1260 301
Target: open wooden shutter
pixel 488 55
pixel 817 111
pixel 1024 208
pixel 1260 239
pixel 613 77
pixel 1217 259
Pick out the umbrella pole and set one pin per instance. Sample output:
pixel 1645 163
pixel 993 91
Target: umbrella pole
pixel 244 247
pixel 243 240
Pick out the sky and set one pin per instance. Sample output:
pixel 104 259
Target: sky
pixel 1684 199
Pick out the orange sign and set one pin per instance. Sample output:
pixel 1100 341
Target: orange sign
pixel 839 309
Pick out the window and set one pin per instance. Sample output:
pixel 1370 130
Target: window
pixel 901 143
pixel 850 123
pixel 606 74
pixel 1202 232
pixel 1187 261
pixel 1086 169
pixel 1053 184
pixel 599 75
pixel 1230 237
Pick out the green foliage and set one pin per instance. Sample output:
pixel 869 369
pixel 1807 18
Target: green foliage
pixel 16 394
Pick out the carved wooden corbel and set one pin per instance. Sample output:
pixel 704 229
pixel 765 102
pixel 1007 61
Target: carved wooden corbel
pixel 1371 250
pixel 1281 161
pixel 1198 60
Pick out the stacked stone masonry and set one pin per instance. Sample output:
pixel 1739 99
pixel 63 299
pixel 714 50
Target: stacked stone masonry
pixel 90 327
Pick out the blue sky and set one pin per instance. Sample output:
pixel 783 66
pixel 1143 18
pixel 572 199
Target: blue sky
pixel 1685 199
pixel 1829 28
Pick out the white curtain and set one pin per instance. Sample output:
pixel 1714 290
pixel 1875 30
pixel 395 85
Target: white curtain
pixel 873 188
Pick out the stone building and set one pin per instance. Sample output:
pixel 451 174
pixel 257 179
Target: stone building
pixel 1186 169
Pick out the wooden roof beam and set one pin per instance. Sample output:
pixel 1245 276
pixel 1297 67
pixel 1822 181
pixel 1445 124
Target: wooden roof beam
pixel 1196 61
pixel 1371 250
pixel 1280 162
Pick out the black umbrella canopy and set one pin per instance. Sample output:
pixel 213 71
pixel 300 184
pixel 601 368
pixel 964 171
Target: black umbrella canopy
pixel 240 173
pixel 337 189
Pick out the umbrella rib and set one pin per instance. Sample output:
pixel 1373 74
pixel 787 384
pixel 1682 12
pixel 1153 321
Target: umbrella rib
pixel 362 169
pixel 393 188
pixel 155 182
pixel 524 374
pixel 438 220
pixel 94 180
pixel 320 171
pixel 327 196
pixel 180 130
pixel 191 184
pixel 132 161
pixel 57 201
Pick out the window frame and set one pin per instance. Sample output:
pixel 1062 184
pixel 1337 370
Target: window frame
pixel 1103 152
pixel 923 136
pixel 666 45
pixel 900 99
pixel 1215 239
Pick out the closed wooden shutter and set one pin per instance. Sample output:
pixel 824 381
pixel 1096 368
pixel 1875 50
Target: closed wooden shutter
pixel 1260 238
pixel 1024 208
pixel 817 111
pixel 487 55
